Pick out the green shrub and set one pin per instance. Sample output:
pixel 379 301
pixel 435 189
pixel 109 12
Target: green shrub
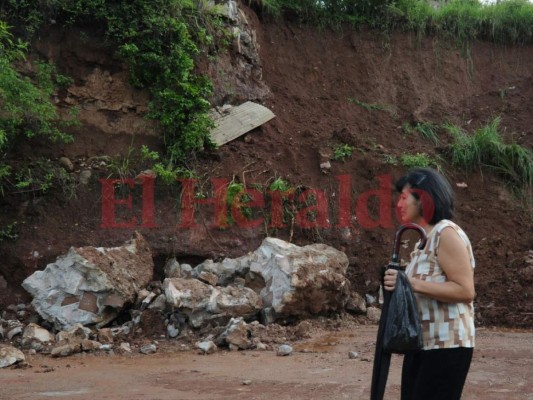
pixel 159 39
pixel 486 148
pixel 342 152
pixel 418 160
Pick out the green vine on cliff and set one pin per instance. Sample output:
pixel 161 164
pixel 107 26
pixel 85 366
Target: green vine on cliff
pixel 159 39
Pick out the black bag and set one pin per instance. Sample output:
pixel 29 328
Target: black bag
pixel 403 332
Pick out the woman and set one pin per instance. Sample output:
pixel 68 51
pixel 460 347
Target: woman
pixel 442 277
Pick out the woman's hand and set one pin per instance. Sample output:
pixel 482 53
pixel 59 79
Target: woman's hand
pixel 389 280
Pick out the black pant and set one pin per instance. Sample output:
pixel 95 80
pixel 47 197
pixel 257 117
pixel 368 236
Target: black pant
pixel 435 374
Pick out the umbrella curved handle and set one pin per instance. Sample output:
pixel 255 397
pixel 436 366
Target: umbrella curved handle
pixel 397 240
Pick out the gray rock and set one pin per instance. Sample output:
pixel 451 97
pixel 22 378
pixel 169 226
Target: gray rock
pixel 148 300
pixel 35 333
pixel 159 303
pixel 356 303
pixel 91 285
pixel 370 299
pixel 10 355
pixel 186 271
pixel 125 347
pixel 172 269
pixel 301 280
pixel 207 347
pixel 261 346
pixel 142 294
pixel 75 334
pixel 90 345
pixel 85 176
pixel 106 347
pixel 14 332
pixel 352 355
pixel 66 350
pixel 247 382
pixel 237 333
pixel 373 314
pixel 66 163
pixel 148 349
pixel 172 331
pixel 284 350
pixel 202 302
pixel 105 335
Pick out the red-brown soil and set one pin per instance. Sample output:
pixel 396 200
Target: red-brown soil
pixel 311 76
pixel 318 369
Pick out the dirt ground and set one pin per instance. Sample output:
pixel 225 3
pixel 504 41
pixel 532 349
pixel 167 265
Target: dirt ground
pixel 318 369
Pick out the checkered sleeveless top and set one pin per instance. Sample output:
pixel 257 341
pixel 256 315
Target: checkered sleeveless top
pixel 444 325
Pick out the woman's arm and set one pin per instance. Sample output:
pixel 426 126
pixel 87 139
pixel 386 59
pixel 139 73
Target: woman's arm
pixel 455 262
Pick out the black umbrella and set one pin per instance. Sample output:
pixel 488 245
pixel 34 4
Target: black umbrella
pixel 382 358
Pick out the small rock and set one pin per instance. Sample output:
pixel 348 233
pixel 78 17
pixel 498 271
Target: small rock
pixel 356 303
pixel 21 307
pixel 90 345
pixel 352 355
pixel 105 335
pixel 373 314
pixel 124 346
pixel 172 331
pixel 75 334
pixel 3 282
pixel 148 349
pixel 186 271
pixel 325 166
pixel 66 350
pixel 85 176
pixel 207 347
pixel 284 350
pixel 172 269
pixel 159 303
pixel 208 277
pixel 247 382
pixel 370 299
pixel 66 163
pixel 142 294
pixel 261 346
pixel 10 355
pixel 14 332
pixel 106 347
pixel 32 352
pixel 147 174
pixel 146 302
pixel 35 333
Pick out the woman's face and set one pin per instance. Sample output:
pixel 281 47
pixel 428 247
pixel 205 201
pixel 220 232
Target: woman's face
pixel 408 206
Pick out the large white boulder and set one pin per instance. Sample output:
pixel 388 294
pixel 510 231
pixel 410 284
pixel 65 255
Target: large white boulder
pixel 202 302
pixel 90 285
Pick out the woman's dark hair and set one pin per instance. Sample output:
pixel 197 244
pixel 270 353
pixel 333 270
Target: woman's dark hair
pixel 433 190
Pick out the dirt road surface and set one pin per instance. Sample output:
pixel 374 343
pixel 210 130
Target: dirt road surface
pixel 318 369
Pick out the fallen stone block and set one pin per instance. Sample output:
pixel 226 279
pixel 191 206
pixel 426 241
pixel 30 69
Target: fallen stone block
pixel 10 355
pixel 148 349
pixel 35 333
pixel 284 350
pixel 207 347
pixel 202 302
pixel 66 350
pixel 91 285
pixel 237 333
pixel 301 281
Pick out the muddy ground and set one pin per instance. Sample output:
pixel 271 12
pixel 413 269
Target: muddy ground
pixel 318 369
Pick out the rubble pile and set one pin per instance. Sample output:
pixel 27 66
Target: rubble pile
pixel 104 300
